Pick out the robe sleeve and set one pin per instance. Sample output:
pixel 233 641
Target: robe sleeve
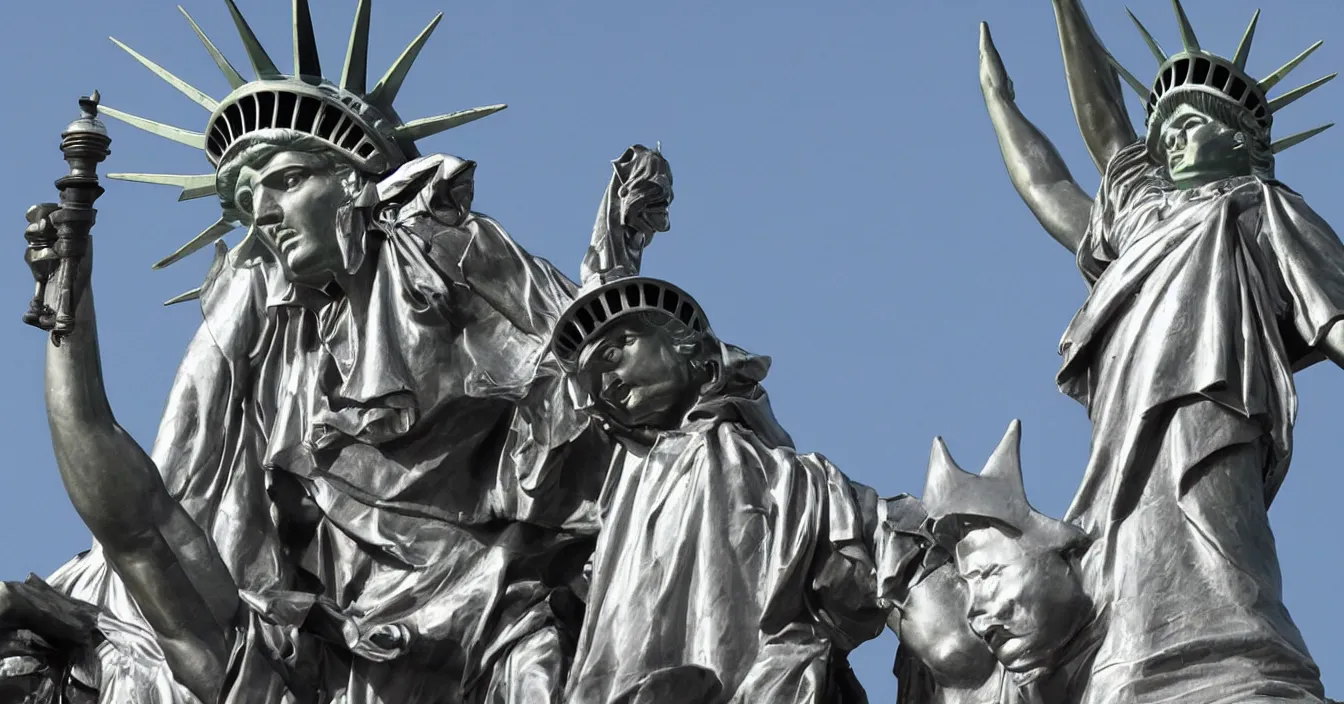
pixel 209 456
pixel 527 290
pixel 1309 257
pixel 845 577
pixel 472 250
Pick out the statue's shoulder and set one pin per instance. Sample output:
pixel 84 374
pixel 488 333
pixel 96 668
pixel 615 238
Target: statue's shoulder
pixel 438 186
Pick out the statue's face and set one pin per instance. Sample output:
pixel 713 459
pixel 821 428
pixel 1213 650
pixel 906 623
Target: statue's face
pixel 293 197
pixel 1199 149
pixel 933 625
pixel 1025 604
pixel 637 376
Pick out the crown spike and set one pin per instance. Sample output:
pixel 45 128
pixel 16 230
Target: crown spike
pixel 1005 464
pixel 177 134
pixel 945 478
pixel 197 186
pixel 306 60
pixel 191 295
pixel 425 127
pixel 386 91
pixel 182 86
pixel 231 74
pixel 261 61
pixel 1273 79
pixel 355 76
pixel 204 190
pixel 1291 96
pixel 1133 82
pixel 1188 37
pixel 207 237
pixel 1153 46
pixel 1293 140
pixel 1244 47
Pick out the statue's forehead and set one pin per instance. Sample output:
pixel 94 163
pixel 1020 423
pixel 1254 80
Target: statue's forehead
pixel 1183 110
pixel 281 158
pixel 985 547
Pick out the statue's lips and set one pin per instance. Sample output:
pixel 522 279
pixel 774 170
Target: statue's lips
pixel 617 393
pixel 1004 643
pixel 285 238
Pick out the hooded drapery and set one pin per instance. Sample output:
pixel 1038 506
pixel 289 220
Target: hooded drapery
pixel 730 567
pixel 361 461
pixel 1202 302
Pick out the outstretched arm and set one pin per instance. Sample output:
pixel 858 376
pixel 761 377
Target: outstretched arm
pixel 1094 85
pixel 634 209
pixel 160 554
pixel 1034 166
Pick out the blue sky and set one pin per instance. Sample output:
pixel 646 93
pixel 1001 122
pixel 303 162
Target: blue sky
pixel 841 206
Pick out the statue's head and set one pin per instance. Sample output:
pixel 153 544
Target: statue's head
pixel 1025 596
pixel 1208 119
pixel 646 370
pixel 290 150
pixel 291 190
pixel 1024 599
pixel 640 350
pixel 1204 140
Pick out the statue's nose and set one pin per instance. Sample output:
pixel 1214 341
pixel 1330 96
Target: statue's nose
pixel 266 209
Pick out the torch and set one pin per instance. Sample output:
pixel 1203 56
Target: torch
pixel 84 143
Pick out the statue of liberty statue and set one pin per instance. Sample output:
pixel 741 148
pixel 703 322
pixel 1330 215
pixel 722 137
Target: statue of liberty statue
pixel 1210 283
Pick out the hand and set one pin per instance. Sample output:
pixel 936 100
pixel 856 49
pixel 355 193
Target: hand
pixel 645 192
pixel 34 606
pixel 42 260
pixel 994 80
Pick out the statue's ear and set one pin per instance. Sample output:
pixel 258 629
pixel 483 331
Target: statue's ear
pixel 711 379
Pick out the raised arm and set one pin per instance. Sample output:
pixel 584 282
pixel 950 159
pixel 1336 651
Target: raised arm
pixel 633 209
pixel 1094 85
pixel 1034 166
pixel 159 553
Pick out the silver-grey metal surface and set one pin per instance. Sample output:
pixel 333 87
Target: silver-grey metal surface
pixel 405 461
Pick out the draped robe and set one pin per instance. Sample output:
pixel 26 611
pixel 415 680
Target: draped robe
pixel 370 466
pixel 730 568
pixel 1201 304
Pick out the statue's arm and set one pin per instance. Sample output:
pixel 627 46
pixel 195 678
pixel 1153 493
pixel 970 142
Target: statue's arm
pixel 148 539
pixel 1094 86
pixel 633 209
pixel 1034 166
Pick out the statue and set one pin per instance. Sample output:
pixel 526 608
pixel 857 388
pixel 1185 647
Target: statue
pixel 356 492
pixel 1210 283
pixel 730 567
pixel 406 461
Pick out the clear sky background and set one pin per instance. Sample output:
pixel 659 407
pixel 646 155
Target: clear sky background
pixel 841 205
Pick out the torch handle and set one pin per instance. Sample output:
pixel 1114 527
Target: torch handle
pixel 73 223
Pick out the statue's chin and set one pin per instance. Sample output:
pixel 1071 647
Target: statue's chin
pixel 1196 174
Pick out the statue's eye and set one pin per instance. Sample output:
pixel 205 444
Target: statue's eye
pixel 611 355
pixel 292 179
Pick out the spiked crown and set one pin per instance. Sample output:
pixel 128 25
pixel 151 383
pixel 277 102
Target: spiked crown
pixel 353 120
pixel 1194 70
pixel 955 498
pixel 596 311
